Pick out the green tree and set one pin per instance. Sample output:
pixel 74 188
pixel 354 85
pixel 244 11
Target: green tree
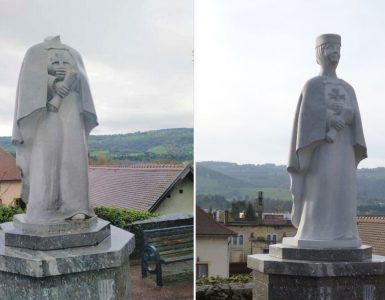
pixel 237 207
pixel 250 213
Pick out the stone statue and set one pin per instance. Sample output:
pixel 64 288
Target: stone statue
pixel 327 145
pixel 54 115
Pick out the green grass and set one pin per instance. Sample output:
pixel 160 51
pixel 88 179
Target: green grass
pixel 159 149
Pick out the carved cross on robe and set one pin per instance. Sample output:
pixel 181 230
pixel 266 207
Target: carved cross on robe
pixel 335 95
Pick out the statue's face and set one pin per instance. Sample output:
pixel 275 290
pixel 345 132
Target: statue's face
pixel 332 53
pixel 59 61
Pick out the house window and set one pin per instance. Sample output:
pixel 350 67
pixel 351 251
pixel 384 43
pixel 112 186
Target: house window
pixel 271 238
pixel 202 270
pixel 180 191
pixel 238 240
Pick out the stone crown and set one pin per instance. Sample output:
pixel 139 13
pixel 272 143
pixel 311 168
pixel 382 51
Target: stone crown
pixel 327 38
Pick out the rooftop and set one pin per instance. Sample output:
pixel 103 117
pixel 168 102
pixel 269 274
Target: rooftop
pixel 372 232
pixel 137 186
pixel 206 225
pixel 8 169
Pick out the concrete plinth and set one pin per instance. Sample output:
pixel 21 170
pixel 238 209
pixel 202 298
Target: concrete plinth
pixel 54 236
pixel 277 278
pixel 97 272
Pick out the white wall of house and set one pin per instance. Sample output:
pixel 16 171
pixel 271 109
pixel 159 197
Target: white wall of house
pixel 9 190
pixel 181 199
pixel 215 252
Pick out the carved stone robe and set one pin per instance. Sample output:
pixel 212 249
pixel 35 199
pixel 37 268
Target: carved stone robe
pixel 51 147
pixel 323 175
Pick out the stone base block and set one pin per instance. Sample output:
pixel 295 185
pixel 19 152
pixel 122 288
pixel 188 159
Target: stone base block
pixel 62 226
pixel 290 252
pixel 87 273
pixel 282 279
pixel 54 236
pixel 102 284
pixel 320 244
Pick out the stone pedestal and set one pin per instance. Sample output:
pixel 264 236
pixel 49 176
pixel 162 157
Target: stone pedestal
pixel 44 262
pixel 292 273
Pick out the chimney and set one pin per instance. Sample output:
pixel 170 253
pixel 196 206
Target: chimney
pixel 215 215
pixel 226 217
pixel 259 207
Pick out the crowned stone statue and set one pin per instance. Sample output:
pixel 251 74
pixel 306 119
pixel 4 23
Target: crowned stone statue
pixel 326 146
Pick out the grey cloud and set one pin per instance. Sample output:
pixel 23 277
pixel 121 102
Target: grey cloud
pixel 138 54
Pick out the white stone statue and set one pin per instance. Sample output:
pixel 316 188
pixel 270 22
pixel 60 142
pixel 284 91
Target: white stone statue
pixel 327 145
pixel 54 115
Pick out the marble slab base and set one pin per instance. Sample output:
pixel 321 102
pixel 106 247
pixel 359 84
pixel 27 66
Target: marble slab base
pixel 321 244
pixel 281 279
pixel 20 222
pixel 44 237
pixel 98 272
pixel 343 254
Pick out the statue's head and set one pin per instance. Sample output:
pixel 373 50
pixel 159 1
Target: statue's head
pixel 328 50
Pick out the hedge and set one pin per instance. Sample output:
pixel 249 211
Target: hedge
pixel 116 216
pixel 121 217
pixel 240 278
pixel 7 212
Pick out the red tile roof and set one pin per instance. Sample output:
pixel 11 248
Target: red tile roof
pixel 206 225
pixel 372 232
pixel 8 169
pixel 140 187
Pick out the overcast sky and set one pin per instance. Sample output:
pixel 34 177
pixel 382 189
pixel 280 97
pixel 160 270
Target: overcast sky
pixel 252 59
pixel 138 56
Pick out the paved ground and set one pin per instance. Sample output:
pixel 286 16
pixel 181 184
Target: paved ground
pixel 146 289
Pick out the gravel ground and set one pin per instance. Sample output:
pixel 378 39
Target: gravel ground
pixel 146 288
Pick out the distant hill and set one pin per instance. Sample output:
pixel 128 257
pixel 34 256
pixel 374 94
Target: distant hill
pixel 234 181
pixel 238 181
pixel 165 145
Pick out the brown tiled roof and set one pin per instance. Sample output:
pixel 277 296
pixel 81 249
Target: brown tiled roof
pixel 140 187
pixel 206 225
pixel 8 169
pixel 372 232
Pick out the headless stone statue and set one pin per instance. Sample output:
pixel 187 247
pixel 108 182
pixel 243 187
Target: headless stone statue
pixel 327 145
pixel 54 115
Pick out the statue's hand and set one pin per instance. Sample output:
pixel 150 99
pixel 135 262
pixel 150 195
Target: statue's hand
pixel 61 89
pixel 71 75
pixel 337 122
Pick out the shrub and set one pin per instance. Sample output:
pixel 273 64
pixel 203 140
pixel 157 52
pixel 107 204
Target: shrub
pixel 121 217
pixel 7 212
pixel 240 278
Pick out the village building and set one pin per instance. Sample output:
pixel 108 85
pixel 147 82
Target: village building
pixel 255 237
pixel 372 232
pixel 212 246
pixel 160 188
pixel 10 179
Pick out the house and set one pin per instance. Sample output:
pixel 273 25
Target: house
pixel 10 179
pixel 160 188
pixel 255 236
pixel 212 246
pixel 372 232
